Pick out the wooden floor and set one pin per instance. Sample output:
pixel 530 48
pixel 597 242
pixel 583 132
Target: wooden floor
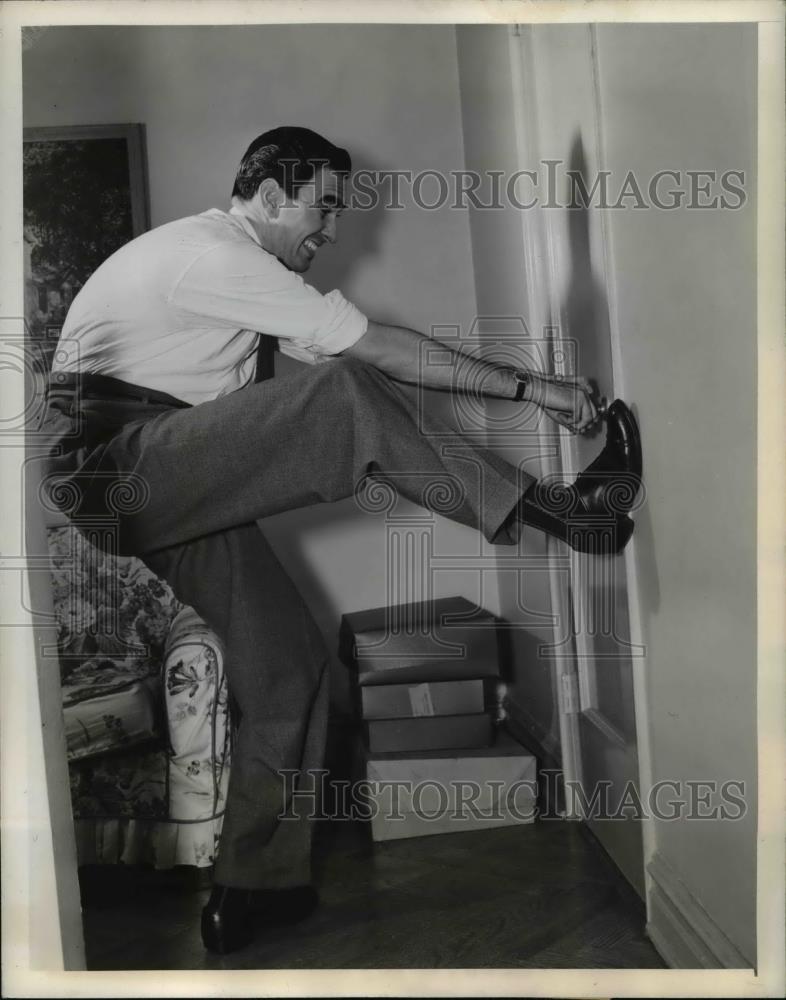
pixel 536 896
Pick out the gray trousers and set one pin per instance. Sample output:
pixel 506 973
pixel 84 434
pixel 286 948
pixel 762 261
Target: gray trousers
pixel 192 483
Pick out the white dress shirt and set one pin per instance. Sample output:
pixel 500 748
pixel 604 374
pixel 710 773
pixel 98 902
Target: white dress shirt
pixel 180 310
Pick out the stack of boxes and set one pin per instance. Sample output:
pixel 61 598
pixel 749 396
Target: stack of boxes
pixel 430 755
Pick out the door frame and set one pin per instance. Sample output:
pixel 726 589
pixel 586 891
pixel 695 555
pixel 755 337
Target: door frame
pixel 544 268
pixel 538 271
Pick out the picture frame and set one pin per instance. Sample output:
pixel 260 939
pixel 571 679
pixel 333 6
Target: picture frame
pixel 85 195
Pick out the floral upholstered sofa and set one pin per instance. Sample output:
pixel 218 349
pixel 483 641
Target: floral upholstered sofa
pixel 145 707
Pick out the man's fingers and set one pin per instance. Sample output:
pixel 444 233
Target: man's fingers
pixel 587 413
pixel 581 412
pixel 589 416
pixel 564 419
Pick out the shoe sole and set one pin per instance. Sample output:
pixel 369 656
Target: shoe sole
pixel 593 535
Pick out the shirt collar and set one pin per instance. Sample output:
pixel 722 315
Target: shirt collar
pixel 235 212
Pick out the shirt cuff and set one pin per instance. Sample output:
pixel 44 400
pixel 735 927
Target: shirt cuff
pixel 345 328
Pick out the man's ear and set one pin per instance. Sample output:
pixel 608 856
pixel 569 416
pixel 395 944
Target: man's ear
pixel 271 197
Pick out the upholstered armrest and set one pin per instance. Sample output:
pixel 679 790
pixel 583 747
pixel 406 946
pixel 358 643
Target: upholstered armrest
pixel 100 718
pixel 197 710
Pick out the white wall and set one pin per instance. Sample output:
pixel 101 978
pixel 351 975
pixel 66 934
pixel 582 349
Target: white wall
pixel 683 286
pixel 684 97
pixel 390 95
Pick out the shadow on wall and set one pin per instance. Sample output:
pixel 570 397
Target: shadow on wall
pixel 306 537
pixel 586 308
pixel 586 305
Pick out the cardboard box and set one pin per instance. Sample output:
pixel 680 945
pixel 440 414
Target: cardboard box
pixel 447 639
pixel 438 732
pixel 403 701
pixel 416 795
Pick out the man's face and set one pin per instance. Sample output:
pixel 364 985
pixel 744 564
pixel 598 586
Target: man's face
pixel 307 221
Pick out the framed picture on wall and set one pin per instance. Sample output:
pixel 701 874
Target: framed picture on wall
pixel 85 195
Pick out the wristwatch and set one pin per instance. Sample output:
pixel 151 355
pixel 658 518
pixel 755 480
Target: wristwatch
pixel 523 380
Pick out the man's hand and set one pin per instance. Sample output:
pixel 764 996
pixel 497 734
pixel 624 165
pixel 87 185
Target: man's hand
pixel 567 401
pixel 397 351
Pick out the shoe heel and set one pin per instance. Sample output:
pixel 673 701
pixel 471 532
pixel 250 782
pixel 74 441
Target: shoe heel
pixel 629 428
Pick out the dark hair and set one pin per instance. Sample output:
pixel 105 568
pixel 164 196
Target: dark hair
pixel 291 156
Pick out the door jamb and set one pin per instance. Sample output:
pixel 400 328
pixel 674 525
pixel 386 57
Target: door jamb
pixel 538 274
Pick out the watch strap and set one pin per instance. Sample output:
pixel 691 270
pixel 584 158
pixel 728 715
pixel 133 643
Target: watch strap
pixel 523 380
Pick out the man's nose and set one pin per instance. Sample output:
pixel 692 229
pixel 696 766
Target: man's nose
pixel 329 229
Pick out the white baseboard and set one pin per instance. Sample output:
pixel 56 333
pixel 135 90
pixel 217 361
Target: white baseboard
pixel 681 929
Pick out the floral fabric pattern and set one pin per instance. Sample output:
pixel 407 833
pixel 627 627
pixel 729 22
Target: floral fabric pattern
pixel 110 721
pixel 122 786
pixel 107 606
pixel 146 708
pixel 197 705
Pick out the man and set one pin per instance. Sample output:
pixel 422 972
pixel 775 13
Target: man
pixel 153 387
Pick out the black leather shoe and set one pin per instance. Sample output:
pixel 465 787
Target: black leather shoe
pixel 591 515
pixel 612 481
pixel 231 916
pixel 227 920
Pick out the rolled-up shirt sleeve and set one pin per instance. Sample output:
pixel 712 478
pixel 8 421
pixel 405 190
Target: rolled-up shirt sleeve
pixel 247 288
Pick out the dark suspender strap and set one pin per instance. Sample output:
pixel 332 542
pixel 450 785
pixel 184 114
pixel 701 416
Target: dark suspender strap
pixel 265 363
